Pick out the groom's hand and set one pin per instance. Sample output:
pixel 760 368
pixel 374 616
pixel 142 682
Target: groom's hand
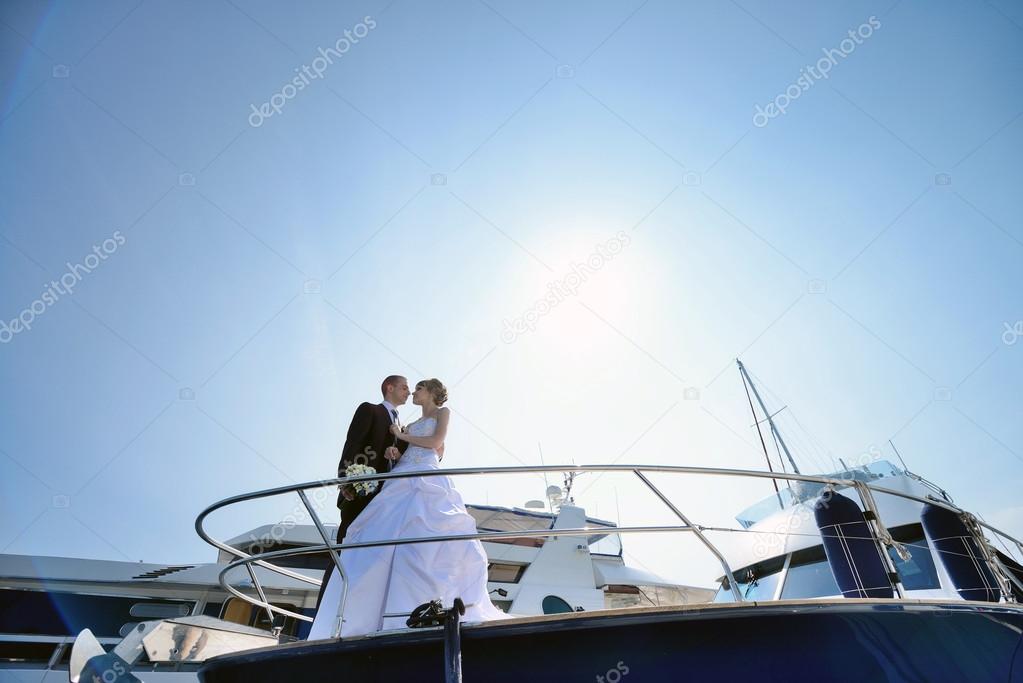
pixel 347 492
pixel 392 453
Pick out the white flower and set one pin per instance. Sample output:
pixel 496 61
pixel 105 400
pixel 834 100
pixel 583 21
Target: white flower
pixel 362 488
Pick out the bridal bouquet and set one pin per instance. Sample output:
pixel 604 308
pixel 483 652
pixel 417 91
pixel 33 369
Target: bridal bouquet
pixel 362 488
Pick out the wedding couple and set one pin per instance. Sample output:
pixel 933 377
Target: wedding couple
pixel 394 580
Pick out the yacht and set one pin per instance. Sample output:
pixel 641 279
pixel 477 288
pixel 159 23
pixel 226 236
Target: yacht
pixel 867 574
pixel 46 601
pixel 784 555
pixel 864 573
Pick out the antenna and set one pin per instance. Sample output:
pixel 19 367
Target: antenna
pixel 546 484
pixel 618 508
pixel 770 418
pixel 899 455
pixel 922 480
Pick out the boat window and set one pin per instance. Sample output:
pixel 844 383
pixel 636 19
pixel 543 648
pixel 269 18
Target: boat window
pixel 918 572
pixel 809 576
pixel 239 611
pixel 724 593
pixel 57 613
pixel 505 573
pixel 262 619
pixel 552 604
pixel 805 492
pixel 607 545
pixel 621 596
pixel 65 655
pixel 762 588
pixel 212 609
pixel 756 582
pixel 27 655
pixel 159 610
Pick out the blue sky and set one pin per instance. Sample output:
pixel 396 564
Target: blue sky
pixel 861 252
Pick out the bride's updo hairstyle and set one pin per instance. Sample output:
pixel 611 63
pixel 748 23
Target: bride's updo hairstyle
pixel 436 388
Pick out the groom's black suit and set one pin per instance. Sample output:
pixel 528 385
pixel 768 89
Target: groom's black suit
pixel 369 435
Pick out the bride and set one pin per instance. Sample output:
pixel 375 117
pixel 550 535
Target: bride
pixel 394 580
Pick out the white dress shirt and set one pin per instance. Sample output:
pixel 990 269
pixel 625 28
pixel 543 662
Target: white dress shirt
pixel 391 411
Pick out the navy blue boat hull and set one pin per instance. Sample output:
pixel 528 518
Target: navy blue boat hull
pixel 846 640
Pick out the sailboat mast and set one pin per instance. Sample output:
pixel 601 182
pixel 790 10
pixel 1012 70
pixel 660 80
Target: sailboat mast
pixel 770 419
pixel 767 457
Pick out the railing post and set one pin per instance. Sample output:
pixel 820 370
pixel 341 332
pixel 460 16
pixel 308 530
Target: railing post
pixel 1004 578
pixel 1011 578
pixel 736 593
pixel 262 595
pixel 881 532
pixel 336 557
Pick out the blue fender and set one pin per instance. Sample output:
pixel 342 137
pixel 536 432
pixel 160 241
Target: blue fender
pixel 853 550
pixel 960 555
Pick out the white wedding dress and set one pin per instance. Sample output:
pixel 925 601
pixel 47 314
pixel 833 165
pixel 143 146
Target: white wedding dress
pixel 397 579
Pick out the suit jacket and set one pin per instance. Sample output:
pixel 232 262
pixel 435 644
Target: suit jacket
pixel 369 435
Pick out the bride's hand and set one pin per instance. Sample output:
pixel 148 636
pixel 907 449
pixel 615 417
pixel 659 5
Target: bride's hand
pixel 395 429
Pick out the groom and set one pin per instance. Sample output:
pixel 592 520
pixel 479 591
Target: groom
pixel 369 442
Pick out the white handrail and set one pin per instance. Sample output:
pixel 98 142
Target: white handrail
pixel 261 559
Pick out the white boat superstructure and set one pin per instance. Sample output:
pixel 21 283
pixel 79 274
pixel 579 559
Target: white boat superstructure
pixel 923 539
pixel 782 555
pixel 46 601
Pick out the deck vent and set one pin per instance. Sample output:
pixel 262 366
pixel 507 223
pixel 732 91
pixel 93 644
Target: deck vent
pixel 164 571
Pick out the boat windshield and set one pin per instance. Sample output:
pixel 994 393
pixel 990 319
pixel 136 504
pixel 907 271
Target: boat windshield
pixel 802 492
pixel 610 544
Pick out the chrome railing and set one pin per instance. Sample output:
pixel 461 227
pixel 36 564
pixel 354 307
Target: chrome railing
pixel 263 559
